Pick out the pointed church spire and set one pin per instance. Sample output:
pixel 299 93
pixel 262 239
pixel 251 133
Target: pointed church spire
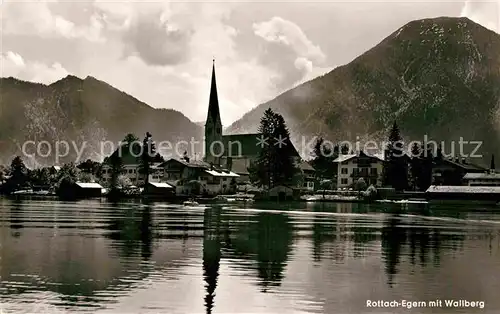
pixel 213 104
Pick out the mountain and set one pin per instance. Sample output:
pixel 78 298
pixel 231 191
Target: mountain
pixel 436 77
pixel 83 112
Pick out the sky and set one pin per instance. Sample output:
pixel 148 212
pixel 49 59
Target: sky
pixel 161 52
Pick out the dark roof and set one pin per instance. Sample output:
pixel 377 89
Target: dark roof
pixel 127 154
pixel 130 155
pixel 191 163
pixel 305 166
pixel 213 103
pixel 469 167
pixel 249 144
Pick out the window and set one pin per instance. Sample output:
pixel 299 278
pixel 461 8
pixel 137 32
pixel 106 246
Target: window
pixel 373 171
pixel 343 181
pixel 130 171
pixel 343 170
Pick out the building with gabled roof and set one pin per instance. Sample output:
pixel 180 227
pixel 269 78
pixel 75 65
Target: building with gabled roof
pixel 352 167
pixel 234 152
pixel 198 177
pixel 130 157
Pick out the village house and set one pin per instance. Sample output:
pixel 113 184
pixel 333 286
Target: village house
pixel 452 171
pixel 352 167
pixel 308 175
pixel 198 177
pixel 131 167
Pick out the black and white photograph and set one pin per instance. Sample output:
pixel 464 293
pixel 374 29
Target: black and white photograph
pixel 249 157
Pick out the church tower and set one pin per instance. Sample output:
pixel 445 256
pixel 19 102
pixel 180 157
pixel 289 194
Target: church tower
pixel 213 126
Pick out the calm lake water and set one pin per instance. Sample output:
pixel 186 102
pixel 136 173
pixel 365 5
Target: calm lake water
pixel 99 257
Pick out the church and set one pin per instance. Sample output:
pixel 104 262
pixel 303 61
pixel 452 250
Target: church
pixel 231 152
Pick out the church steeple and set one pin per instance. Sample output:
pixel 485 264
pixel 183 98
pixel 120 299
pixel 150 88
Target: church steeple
pixel 213 125
pixel 213 104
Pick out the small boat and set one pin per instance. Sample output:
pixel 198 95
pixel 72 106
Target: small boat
pixel 190 203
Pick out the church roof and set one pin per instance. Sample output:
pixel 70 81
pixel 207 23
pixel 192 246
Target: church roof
pixel 213 103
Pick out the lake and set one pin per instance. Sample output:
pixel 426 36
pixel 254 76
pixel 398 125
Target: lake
pixel 99 257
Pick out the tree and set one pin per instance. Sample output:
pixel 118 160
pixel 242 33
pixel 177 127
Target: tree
pixel 116 165
pixel 360 185
pixel 415 166
pixel 130 139
pixel 323 160
pixel 67 177
pixel 147 157
pixel 424 179
pixel 40 177
pixel 123 182
pixel 90 166
pixel 395 165
pixel 18 175
pixel 275 164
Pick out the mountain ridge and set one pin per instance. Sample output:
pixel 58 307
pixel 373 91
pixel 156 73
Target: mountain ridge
pixel 417 75
pixel 87 111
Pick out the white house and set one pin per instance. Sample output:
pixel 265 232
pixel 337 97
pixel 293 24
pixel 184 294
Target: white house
pixel 197 177
pixel 351 167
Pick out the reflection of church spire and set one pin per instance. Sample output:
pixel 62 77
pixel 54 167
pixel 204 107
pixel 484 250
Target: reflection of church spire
pixel 211 255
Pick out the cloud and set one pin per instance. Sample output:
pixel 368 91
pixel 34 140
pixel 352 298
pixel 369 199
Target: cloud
pixel 13 64
pixel 279 30
pixel 37 19
pixel 484 13
pixel 157 41
pixel 288 51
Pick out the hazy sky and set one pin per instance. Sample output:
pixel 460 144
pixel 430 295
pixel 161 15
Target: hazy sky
pixel 161 52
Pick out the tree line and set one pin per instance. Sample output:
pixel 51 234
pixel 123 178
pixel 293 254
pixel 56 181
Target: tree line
pixel 18 177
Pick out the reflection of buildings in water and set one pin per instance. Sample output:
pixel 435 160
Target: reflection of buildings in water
pixel 75 265
pixel 16 217
pixel 393 237
pixel 344 207
pixel 132 233
pixel 265 239
pixel 418 242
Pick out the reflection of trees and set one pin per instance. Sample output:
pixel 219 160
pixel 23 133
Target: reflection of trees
pixel 424 243
pixel 320 236
pixel 16 217
pixel 268 240
pixel 392 239
pixel 132 231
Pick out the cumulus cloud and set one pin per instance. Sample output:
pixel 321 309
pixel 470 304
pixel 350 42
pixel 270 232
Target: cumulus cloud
pixel 13 64
pixel 486 13
pixel 156 41
pixel 36 18
pixel 288 51
pixel 279 30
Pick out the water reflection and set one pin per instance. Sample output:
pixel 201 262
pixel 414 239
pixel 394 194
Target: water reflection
pixel 211 254
pixel 131 228
pixel 393 238
pixel 135 254
pixel 16 218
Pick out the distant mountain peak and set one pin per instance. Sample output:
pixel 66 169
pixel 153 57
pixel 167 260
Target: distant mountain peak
pixel 437 77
